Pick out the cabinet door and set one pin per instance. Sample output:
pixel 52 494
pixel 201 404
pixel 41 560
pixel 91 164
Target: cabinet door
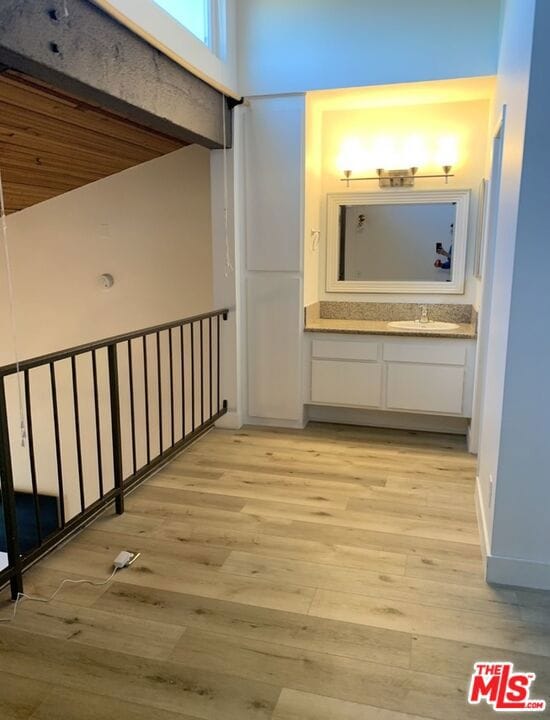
pixel 338 382
pixel 342 350
pixel 425 388
pixel 449 352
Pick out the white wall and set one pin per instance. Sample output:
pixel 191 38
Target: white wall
pixel 468 121
pixel 150 227
pixel 521 529
pixel 282 46
pixel 512 91
pixel 287 46
pixel 312 191
pixel 226 189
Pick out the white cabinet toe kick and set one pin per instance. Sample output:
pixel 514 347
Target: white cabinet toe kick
pixel 399 374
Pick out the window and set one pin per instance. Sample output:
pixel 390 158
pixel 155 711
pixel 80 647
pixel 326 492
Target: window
pixel 193 14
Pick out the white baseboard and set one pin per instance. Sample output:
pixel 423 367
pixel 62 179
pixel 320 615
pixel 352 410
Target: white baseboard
pixel 385 419
pixel 232 420
pixel 499 570
pixel 471 441
pixel 517 572
pixel 482 521
pixel 274 422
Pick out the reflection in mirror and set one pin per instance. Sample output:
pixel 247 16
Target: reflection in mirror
pixel 410 242
pixel 399 242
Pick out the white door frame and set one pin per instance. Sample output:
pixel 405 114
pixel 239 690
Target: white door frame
pixel 487 270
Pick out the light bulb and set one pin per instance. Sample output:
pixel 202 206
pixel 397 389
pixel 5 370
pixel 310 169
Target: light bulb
pixel 414 152
pixel 351 156
pixel 447 151
pixel 384 153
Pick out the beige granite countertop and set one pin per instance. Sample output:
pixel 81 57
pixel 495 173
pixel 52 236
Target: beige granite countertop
pixel 372 318
pixel 382 327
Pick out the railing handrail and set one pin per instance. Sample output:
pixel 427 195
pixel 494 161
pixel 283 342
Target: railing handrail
pixel 186 381
pixel 105 342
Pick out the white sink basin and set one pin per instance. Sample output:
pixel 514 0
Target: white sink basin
pixel 418 325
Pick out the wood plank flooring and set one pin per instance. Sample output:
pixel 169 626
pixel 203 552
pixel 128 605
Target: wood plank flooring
pixel 326 574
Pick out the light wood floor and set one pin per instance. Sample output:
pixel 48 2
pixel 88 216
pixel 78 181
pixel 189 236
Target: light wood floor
pixel 329 574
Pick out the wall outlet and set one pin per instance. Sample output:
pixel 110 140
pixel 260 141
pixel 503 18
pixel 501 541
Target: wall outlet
pixel 104 231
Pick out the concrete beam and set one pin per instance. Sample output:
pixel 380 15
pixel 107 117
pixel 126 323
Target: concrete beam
pixel 78 48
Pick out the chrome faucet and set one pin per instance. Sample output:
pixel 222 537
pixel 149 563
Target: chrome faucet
pixel 424 314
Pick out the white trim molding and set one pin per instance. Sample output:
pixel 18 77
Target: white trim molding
pixel 517 572
pixel 276 423
pixel 365 417
pixel 230 421
pixel 399 197
pixel 500 570
pixel 482 521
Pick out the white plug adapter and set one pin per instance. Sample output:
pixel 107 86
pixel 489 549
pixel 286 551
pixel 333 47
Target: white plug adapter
pixel 124 559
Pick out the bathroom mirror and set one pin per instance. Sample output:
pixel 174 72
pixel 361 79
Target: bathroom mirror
pixel 404 242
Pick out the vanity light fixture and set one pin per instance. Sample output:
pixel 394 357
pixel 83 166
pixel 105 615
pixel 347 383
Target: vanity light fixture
pixel 410 157
pixel 397 178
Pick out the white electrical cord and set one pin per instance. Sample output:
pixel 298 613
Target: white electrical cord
pixel 228 264
pixel 22 596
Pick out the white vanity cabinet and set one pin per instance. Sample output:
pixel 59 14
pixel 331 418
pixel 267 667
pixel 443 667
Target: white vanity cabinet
pixel 344 373
pixel 383 372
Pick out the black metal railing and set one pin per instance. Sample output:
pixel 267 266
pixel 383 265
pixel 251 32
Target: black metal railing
pixel 97 420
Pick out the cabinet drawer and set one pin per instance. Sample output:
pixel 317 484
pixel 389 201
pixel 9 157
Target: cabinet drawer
pixel 432 353
pixel 346 383
pixel 342 350
pixel 425 388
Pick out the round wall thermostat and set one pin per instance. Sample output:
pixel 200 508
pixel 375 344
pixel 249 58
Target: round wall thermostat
pixel 106 281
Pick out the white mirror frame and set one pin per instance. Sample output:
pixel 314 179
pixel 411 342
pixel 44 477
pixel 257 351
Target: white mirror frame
pixel 399 197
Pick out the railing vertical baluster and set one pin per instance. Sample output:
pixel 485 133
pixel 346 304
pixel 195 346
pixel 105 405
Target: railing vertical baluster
pixel 182 363
pixel 57 435
pixel 77 432
pixel 210 379
pixel 159 381
pixel 32 463
pixel 225 316
pixel 115 427
pixel 218 361
pixel 97 426
pixel 202 372
pixel 198 367
pixel 132 406
pixel 8 498
pixel 146 392
pixel 170 350
pixel 192 376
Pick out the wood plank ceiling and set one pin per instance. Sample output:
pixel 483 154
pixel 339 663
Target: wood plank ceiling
pixel 51 143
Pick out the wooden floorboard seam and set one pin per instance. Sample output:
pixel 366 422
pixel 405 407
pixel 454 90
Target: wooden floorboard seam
pixel 332 573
